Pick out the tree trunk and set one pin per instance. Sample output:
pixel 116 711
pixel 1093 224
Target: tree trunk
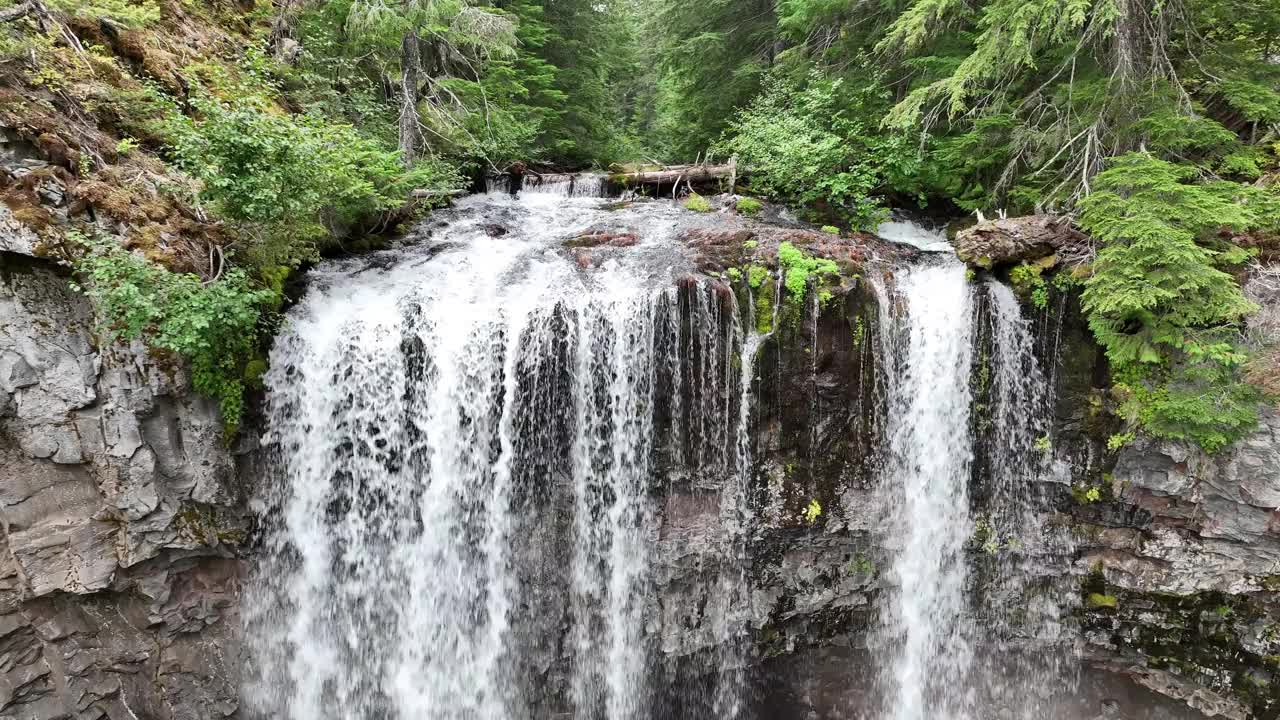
pixel 410 60
pixel 692 173
pixel 1129 47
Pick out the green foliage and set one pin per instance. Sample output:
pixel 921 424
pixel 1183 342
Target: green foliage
pixel 1086 494
pixel 211 325
pixel 1159 304
pixel 1028 280
pixel 126 146
pixel 749 206
pixel 812 511
pixel 761 281
pixel 1119 440
pixel 290 183
pixel 764 310
pixel 21 39
pixel 697 203
pixel 714 56
pixel 798 266
pixel 593 47
pixel 814 144
pixel 757 274
pixel 861 565
pixel 1100 600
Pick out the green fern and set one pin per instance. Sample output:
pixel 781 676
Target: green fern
pixel 1159 304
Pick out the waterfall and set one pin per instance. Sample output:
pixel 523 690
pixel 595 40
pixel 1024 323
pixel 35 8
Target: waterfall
pixel 514 480
pixel 928 325
pixel 465 435
pixel 615 377
pixel 1025 582
pixel 968 408
pixel 578 185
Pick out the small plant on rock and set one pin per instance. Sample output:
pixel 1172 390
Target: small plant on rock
pixel 798 266
pixel 813 511
pixel 697 203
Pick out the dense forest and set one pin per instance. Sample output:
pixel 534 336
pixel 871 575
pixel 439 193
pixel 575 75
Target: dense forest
pixel 217 147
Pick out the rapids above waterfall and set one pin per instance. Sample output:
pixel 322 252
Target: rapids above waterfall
pixel 547 460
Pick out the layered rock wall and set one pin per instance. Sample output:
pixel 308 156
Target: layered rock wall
pixel 1176 551
pixel 121 517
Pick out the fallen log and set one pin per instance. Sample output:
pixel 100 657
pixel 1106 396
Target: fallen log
pixel 679 173
pixel 1009 241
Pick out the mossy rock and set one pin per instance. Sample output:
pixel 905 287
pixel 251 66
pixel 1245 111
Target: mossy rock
pixel 1100 600
pixel 697 203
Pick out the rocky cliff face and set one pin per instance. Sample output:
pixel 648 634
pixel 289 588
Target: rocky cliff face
pixel 1176 552
pixel 1182 562
pixel 121 517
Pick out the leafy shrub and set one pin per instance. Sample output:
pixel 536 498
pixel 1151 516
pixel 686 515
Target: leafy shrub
pixel 818 144
pixel 749 206
pixel 1158 303
pixel 212 326
pixel 289 183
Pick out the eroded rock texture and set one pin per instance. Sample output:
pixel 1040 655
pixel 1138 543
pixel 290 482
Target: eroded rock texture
pixel 118 576
pixel 1180 560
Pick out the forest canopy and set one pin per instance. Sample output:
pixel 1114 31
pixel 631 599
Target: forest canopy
pixel 241 140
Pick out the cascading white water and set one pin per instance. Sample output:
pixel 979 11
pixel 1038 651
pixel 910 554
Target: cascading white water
pixel 961 647
pixel 468 434
pixel 578 185
pixel 927 324
pixel 615 374
pixel 465 435
pixel 1030 663
pixel 394 422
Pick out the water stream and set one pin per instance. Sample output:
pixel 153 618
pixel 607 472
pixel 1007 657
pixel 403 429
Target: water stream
pixel 928 358
pixel 466 435
pixel 483 440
